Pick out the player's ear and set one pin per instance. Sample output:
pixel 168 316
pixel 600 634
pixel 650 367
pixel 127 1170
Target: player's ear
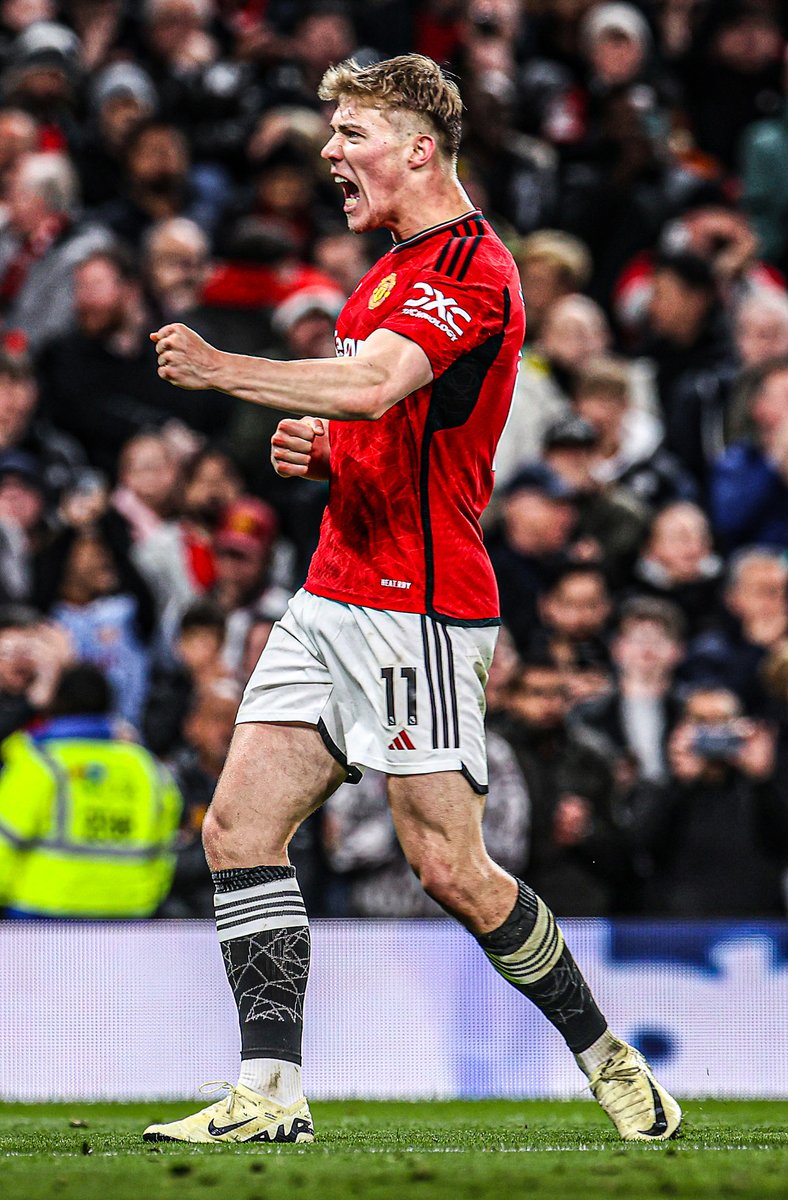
pixel 422 150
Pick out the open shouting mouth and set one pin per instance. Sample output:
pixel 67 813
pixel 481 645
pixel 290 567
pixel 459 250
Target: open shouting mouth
pixel 350 192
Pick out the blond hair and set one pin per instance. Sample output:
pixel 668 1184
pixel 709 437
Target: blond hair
pixel 568 254
pixel 608 375
pixel 411 82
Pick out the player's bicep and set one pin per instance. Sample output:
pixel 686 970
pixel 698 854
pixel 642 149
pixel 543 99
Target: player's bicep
pixel 403 364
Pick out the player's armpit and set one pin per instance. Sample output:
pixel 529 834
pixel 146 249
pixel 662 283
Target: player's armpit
pixel 403 366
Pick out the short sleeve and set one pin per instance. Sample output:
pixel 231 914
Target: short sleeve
pixel 445 318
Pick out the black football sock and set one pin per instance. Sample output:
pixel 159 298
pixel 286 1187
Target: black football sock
pixel 529 951
pixel 264 934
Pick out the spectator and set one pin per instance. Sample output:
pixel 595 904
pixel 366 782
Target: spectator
pixel 717 233
pixel 538 516
pixel 122 95
pixel 630 449
pixel 578 855
pixel 693 349
pixel 552 264
pixel 177 560
pixel 637 717
pixel 42 77
pixel 719 834
pixel 194 662
pixel 678 564
pixel 113 856
pixel 33 652
pixel 208 730
pixel 502 669
pixel 749 483
pixel 611 522
pixel 574 330
pixel 513 176
pixel 85 578
pixel 148 476
pixel 24 428
pixel 754 621
pixel 732 74
pixel 160 183
pixel 22 513
pixel 342 257
pixel 575 608
pixel 175 255
pixel 243 550
pixel 18 137
pixel 588 673
pixel 761 327
pixel 39 246
pixel 109 357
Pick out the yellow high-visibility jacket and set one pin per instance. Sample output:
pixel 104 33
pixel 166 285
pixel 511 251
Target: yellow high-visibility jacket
pixel 87 823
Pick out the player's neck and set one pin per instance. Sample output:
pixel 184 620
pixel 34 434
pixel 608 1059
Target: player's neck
pixel 449 204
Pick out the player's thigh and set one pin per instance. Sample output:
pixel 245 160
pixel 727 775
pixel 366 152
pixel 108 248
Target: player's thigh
pixel 274 777
pixel 438 819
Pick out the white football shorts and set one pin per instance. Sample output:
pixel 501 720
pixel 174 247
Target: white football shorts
pixel 396 691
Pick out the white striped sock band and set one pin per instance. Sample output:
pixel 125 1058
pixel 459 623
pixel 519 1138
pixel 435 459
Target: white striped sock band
pixel 259 909
pixel 538 954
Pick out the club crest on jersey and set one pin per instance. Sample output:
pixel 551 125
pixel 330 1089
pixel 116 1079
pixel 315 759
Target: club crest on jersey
pixel 382 290
pixel 439 309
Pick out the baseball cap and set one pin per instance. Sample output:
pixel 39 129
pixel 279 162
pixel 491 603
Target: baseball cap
pixel 538 477
pixel 248 525
pixel 46 44
pixel 570 433
pixel 123 79
pixel 18 462
pixel 328 301
pixel 616 18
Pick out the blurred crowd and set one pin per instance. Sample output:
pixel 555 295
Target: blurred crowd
pixel 160 161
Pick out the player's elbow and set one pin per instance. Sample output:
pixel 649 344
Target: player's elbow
pixel 369 403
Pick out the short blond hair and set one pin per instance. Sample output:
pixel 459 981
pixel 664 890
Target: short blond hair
pixel 570 256
pixel 608 375
pixel 411 82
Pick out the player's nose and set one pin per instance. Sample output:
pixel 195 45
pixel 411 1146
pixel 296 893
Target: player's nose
pixel 331 149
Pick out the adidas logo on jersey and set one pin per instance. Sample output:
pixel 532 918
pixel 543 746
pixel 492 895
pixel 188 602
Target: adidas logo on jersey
pixel 401 742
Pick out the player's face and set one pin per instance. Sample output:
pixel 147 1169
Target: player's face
pixel 368 154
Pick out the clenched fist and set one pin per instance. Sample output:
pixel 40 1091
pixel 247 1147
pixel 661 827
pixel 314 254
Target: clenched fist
pixel 185 358
pixel 299 448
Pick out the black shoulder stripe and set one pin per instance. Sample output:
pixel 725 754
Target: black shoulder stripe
pixel 461 273
pixel 451 266
pixel 441 260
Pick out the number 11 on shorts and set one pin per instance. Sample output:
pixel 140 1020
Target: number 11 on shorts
pixel 409 675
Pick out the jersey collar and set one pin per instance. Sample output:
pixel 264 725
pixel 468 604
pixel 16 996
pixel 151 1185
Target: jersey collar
pixel 418 238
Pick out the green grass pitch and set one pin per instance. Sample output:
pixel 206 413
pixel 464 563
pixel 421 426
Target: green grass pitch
pixel 493 1149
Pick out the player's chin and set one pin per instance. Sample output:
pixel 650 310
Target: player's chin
pixel 360 220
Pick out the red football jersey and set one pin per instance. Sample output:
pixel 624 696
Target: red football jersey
pixel 401 530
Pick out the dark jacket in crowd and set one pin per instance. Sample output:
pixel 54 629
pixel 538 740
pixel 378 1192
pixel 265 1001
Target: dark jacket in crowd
pixel 719 850
pixel 126 395
pixel 594 876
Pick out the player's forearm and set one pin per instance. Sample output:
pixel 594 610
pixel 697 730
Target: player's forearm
pixel 344 389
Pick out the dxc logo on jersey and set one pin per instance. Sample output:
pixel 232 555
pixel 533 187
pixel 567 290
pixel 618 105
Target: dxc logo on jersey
pixel 446 309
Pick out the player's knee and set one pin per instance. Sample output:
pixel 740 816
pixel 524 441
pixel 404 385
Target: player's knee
pixel 221 840
pixel 446 881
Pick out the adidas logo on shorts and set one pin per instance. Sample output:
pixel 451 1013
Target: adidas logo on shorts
pixel 401 742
